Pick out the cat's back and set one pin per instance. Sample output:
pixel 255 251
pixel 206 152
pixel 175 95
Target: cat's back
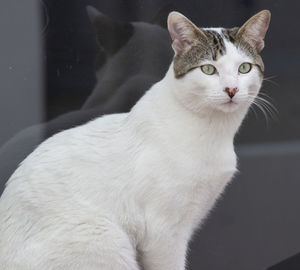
pixel 69 164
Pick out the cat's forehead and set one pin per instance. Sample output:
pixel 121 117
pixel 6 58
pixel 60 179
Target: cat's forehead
pixel 223 41
pixel 219 42
pixel 223 45
pixel 216 41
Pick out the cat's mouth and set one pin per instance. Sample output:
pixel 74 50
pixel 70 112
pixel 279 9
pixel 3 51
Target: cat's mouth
pixel 229 106
pixel 230 102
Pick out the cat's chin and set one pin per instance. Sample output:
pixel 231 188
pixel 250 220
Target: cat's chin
pixel 229 107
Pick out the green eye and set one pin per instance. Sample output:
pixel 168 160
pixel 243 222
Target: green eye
pixel 208 69
pixel 245 68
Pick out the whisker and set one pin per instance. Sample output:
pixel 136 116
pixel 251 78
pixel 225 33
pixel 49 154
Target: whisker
pixel 262 110
pixel 252 110
pixel 266 107
pixel 265 98
pixel 259 101
pixel 269 105
pixel 271 77
pixel 268 79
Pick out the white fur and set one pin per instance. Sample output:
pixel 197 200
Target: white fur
pixel 128 189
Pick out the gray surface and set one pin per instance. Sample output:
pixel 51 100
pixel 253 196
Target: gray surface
pixel 21 93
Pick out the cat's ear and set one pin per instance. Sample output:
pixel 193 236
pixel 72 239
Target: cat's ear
pixel 93 14
pixel 254 30
pixel 111 34
pixel 182 31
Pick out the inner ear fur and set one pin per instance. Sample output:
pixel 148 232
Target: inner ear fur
pixel 254 30
pixel 183 32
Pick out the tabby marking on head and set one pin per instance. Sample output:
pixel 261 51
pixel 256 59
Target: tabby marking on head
pixel 210 43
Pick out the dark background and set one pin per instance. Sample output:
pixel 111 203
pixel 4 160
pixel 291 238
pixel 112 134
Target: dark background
pixel 47 69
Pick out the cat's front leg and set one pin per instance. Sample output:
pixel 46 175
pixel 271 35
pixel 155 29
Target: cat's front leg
pixel 166 254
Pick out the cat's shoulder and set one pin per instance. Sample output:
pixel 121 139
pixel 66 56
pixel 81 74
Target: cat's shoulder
pixel 81 139
pixel 99 126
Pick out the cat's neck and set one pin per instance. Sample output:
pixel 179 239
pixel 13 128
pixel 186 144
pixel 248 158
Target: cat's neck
pixel 160 109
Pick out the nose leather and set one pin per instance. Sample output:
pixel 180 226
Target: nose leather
pixel 231 91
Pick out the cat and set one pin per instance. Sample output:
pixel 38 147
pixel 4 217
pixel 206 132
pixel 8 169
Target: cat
pixel 107 96
pixel 124 77
pixel 127 191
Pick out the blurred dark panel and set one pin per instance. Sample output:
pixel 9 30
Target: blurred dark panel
pixel 291 263
pixel 21 71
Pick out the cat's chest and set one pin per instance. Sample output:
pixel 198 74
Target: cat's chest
pixel 188 184
pixel 190 175
pixel 202 164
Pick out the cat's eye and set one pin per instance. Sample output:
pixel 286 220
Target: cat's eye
pixel 208 69
pixel 245 68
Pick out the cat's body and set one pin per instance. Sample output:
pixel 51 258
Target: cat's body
pixel 148 186
pixel 126 191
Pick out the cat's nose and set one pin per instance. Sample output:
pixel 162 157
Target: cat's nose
pixel 231 91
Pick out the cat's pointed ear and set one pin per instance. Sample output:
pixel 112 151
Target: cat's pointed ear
pixel 93 13
pixel 254 30
pixel 182 31
pixel 111 34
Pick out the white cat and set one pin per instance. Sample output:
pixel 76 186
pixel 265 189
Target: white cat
pixel 126 191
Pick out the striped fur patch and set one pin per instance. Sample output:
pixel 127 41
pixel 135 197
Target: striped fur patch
pixel 212 47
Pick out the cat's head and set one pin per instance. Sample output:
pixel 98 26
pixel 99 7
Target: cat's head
pixel 132 46
pixel 132 57
pixel 216 68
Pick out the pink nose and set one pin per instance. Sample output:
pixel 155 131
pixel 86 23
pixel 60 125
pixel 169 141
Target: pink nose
pixel 231 91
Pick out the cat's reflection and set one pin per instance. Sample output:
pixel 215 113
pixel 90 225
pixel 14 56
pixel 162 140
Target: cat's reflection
pixel 132 57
